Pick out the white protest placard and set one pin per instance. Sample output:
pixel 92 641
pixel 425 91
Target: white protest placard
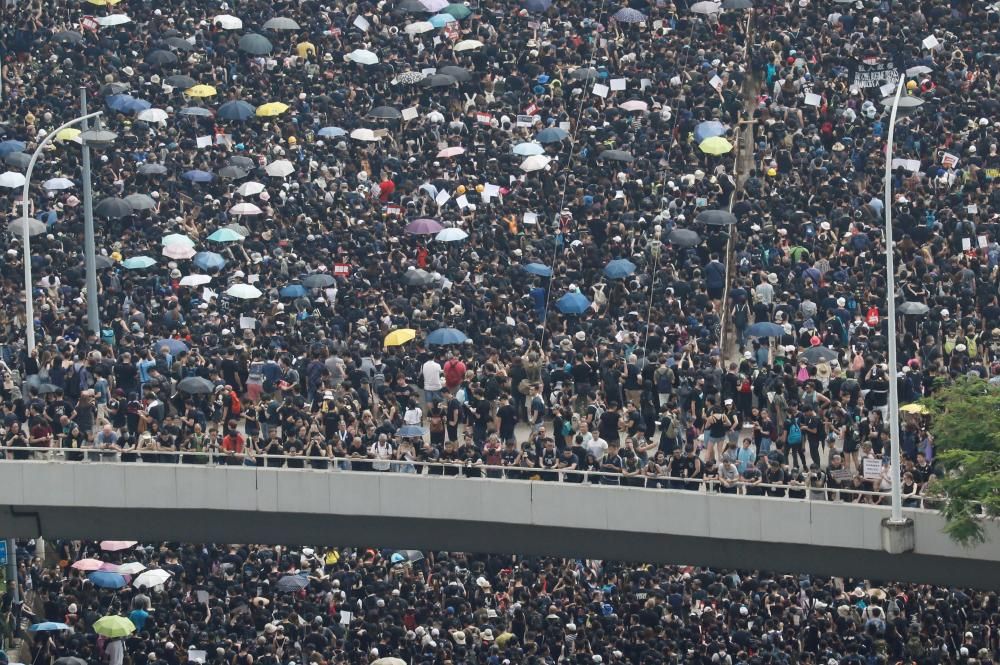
pixel 345 618
pixel 619 84
pixel 930 42
pixel 410 113
pixel 966 244
pixel 442 198
pixel 361 23
pixel 949 161
pixel 872 468
pixel 491 190
pixel 812 99
pixel 247 323
pixel 527 120
pixel 982 241
pixel 887 89
pixel 972 208
pixel 203 141
pixel 645 83
pixel 197 655
pixel 565 125
pixel 462 201
pixel 600 90
pixel 530 218
pixel 429 71
pixel 716 83
pixel 911 165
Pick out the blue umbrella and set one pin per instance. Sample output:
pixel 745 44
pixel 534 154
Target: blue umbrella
pixel 539 269
pixel 441 20
pixel 332 132
pixel 446 336
pixel 8 147
pixel 47 625
pixel 118 102
pixel 138 263
pixel 208 261
pixel 236 110
pixel 708 129
pixel 197 175
pixel 528 148
pixel 765 329
pixel 628 15
pixel 573 303
pixel 175 346
pixel 619 268
pixel 537 6
pixel 551 135
pixel 292 291
pixel 411 430
pixel 107 580
pixel 197 111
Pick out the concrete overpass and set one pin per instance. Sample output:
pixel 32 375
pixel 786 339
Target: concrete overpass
pixel 236 504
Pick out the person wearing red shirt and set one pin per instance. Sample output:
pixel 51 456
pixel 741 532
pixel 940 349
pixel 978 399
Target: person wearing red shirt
pixel 386 189
pixel 233 444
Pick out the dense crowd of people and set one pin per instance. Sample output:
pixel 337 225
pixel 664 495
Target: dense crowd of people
pixel 278 605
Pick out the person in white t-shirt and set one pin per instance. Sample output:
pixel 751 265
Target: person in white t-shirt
pixel 433 381
pixel 597 447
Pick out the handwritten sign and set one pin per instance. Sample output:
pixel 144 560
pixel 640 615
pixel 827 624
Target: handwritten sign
pixel 872 468
pixel 341 270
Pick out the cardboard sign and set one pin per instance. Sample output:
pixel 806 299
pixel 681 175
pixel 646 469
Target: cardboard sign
pixel 874 75
pixel 841 475
pixel 871 468
pixel 361 23
pixel 89 23
pixel 341 270
pixel 484 118
pixel 531 110
pixel 949 161
pixel 527 120
pixel 393 209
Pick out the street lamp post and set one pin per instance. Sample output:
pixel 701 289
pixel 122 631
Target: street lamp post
pixel 29 305
pixel 890 284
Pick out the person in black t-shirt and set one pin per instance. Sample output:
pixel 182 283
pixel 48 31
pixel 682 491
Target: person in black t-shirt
pixel 608 426
pixel 612 464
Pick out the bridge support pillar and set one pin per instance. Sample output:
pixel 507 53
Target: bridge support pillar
pixel 898 537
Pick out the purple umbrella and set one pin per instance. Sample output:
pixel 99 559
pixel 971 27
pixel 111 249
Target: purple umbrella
pixel 424 226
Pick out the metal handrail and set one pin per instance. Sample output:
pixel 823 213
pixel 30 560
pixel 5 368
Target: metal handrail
pixel 216 457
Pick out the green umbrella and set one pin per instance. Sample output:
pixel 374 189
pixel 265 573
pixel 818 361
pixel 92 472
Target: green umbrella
pixel 114 626
pixel 457 10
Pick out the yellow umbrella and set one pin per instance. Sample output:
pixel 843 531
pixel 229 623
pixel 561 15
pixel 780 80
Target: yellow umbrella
pixel 201 90
pixel 915 408
pixel 67 134
pixel 104 3
pixel 399 337
pixel 271 109
pixel 715 145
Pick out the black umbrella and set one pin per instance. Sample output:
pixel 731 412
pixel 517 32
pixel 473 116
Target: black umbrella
pixel 460 73
pixel 179 43
pixel 616 155
pixel 583 73
pixel 716 217
pixel 159 57
pixel 18 160
pixel 67 37
pixel 102 262
pixel 242 161
pixel 818 354
pixel 438 81
pixel 291 583
pixel 411 7
pixel 318 280
pixel 236 110
pixel 736 4
pixel 182 81
pixel 70 660
pixel 684 238
pixel 418 277
pixel 112 208
pixel 913 308
pixel 115 88
pixel 281 23
pixel 255 44
pixel 195 385
pixel 152 168
pixel 385 113
pixel 233 172
pixel 46 388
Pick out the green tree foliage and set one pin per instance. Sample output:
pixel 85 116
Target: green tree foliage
pixel 965 423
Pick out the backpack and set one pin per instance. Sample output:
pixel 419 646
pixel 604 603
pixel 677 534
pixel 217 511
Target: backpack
pixel 794 432
pixel 235 405
pixel 872 317
pixel 72 381
pixel 663 382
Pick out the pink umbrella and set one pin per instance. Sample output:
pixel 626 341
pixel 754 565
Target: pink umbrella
pixel 117 545
pixel 88 565
pixel 179 251
pixel 452 151
pixel 109 567
pixel 423 226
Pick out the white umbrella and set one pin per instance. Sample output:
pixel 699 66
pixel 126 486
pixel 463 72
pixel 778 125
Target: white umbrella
pixel 151 578
pixel 244 291
pixel 279 168
pixel 250 188
pixel 178 251
pixel 418 28
pixel 195 280
pixel 131 568
pixel 152 115
pixel 451 234
pixel 634 105
pixel 177 239
pixel 112 20
pixel 362 57
pixel 11 180
pixel 434 5
pixel 227 22
pixel 58 183
pixel 364 134
pixel 535 163
pixel 245 209
pixel 468 45
pixel 706 8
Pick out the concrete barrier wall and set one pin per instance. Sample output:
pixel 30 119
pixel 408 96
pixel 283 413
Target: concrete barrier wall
pixel 237 504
